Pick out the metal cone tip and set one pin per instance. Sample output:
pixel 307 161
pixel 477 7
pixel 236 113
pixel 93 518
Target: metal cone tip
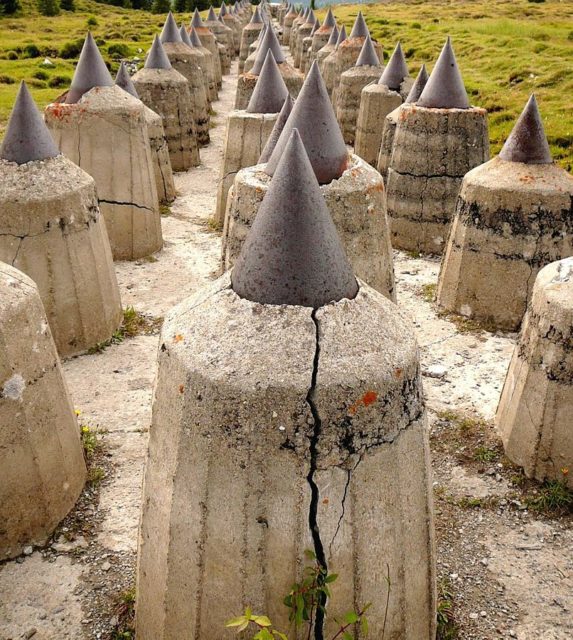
pixel 123 80
pixel 170 32
pixel 90 72
pixel 310 17
pixel 268 41
pixel 293 254
pixel 211 17
pixel 527 141
pixel 329 20
pixel 196 20
pixel 333 35
pixel 315 27
pixel 256 17
pixel 185 36
pixel 359 30
pixel 396 70
pixel 277 129
pixel 368 56
pixel 341 36
pixel 195 39
pixel 157 58
pixel 418 86
pixel 27 138
pixel 316 122
pixel 445 87
pixel 270 89
pixel 223 10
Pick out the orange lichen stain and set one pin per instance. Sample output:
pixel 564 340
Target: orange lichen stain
pixel 366 400
pixel 526 179
pixel 398 373
pixel 325 501
pixel 181 388
pixel 178 338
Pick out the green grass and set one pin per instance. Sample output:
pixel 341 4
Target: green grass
pixel 505 49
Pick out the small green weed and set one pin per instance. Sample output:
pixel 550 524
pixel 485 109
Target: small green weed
pixel 553 498
pixel 486 454
pixel 95 476
pixel 447 627
pixel 125 614
pixel 89 440
pixel 428 292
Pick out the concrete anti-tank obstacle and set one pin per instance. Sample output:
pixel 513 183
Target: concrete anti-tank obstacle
pixel 303 32
pixel 206 62
pixel 514 215
pixel 436 142
pixel 287 25
pixel 247 131
pixel 321 37
pixel 300 19
pixel 534 412
pixel 209 41
pixel 104 131
pixel 247 80
pixel 233 23
pixel 377 100
pixel 318 434
pixel 250 33
pixel 335 38
pixel 159 150
pixel 51 229
pixel 353 191
pixel 277 130
pixel 253 50
pixel 366 70
pixel 346 54
pixel 225 39
pixel 41 457
pixel 187 61
pixel 166 91
pixel 306 47
pixel 391 120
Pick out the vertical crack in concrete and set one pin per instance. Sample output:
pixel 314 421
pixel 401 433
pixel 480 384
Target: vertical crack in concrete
pixel 314 491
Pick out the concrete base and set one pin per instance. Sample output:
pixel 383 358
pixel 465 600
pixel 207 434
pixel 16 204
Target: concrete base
pixel 245 138
pixel 226 497
pixel 246 84
pixel 160 156
pixel 322 55
pixel 167 93
pixel 224 37
pixel 511 220
pixel 287 26
pixel 42 462
pixel 387 142
pixel 105 133
pixel 432 151
pixel 356 203
pixel 342 59
pixel 225 57
pixel 534 413
pixel 348 97
pixel 188 62
pixel 319 41
pixel 376 102
pixel 51 229
pixel 210 43
pixel 305 56
pixel 302 33
pixel 250 33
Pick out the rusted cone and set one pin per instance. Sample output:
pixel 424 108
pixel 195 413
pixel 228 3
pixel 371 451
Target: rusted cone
pixel 166 91
pixel 436 142
pixel 51 229
pixel 352 190
pixel 157 140
pixel 247 131
pixel 377 100
pixel 250 33
pixel 206 62
pixel 514 215
pixel 305 440
pixel 103 130
pixel 209 41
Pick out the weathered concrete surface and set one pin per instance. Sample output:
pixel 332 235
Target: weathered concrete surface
pixel 160 155
pixel 245 139
pixel 376 102
pixel 320 39
pixel 51 229
pixel 356 203
pixel 41 458
pixel 167 93
pixel 348 97
pixel 250 33
pixel 105 133
pixel 233 23
pixel 360 438
pixel 534 413
pixel 188 62
pixel 207 62
pixel 287 26
pixel 511 220
pixel 246 84
pixel 209 41
pixel 387 141
pixel 432 151
pixel 224 36
pixel 303 32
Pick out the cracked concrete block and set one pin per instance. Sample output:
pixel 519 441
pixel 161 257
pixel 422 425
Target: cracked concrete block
pixel 51 229
pixel 287 26
pixel 297 22
pixel 105 133
pixel 348 97
pixel 321 433
pixel 237 29
pixel 187 61
pixel 209 41
pixel 245 139
pixel 303 32
pixel 292 77
pixel 511 219
pixel 166 92
pixel 224 36
pixel 534 412
pixel 432 150
pixel 41 457
pixel 250 34
pixel 357 206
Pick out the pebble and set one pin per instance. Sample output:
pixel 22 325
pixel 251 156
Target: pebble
pixel 28 551
pixel 106 566
pixel 30 633
pixel 474 616
pixel 435 371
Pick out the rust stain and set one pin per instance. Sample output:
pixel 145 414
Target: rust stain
pixel 181 388
pixel 325 501
pixel 178 338
pixel 366 400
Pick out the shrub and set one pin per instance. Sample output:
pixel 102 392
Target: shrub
pixel 92 22
pixel 12 55
pixel 416 25
pixel 8 7
pixel 41 75
pixel 71 49
pixel 118 50
pixel 33 82
pixel 4 79
pixel 49 7
pixel 59 81
pixel 68 5
pixel 161 6
pixel 32 51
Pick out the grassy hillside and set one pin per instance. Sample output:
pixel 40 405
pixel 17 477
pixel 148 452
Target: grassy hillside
pixel 506 50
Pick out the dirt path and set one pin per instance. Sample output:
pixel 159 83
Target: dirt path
pixel 509 571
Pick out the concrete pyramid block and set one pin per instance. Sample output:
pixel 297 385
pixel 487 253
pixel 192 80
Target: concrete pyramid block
pixel 534 412
pixel 167 92
pixel 512 218
pixel 43 469
pixel 159 150
pixel 269 42
pixel 52 230
pixel 277 453
pixel 105 133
